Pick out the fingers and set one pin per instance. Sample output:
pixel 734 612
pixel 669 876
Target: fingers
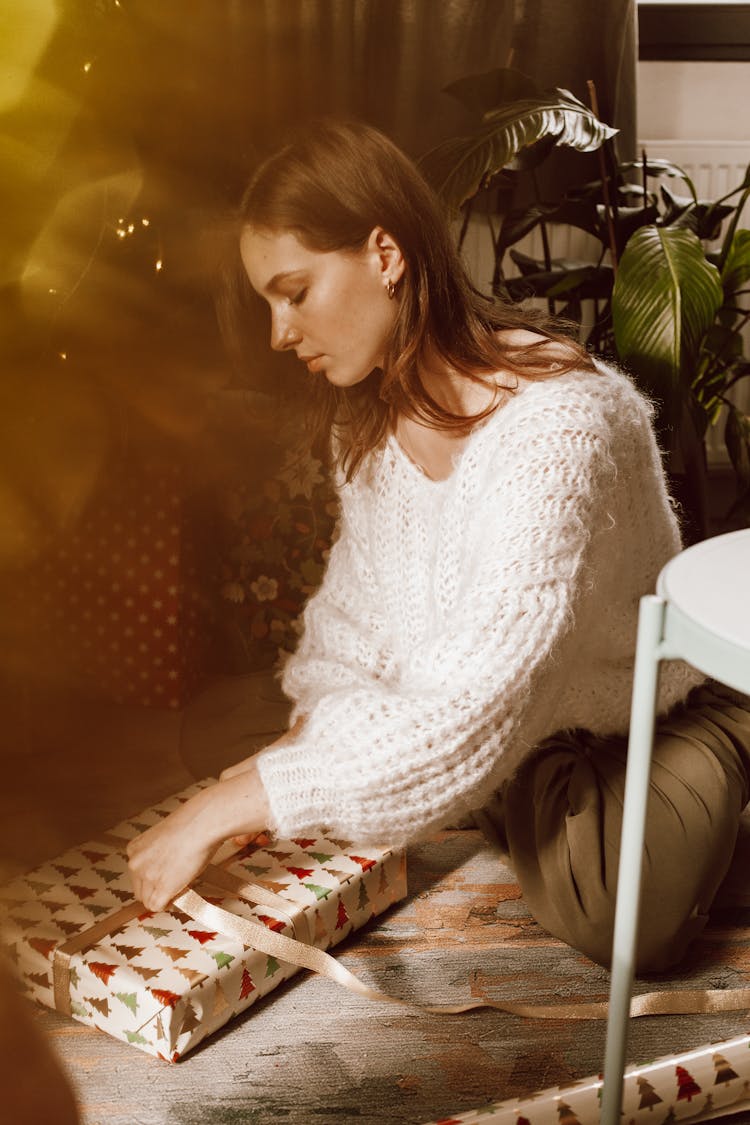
pixel 149 883
pixel 154 900
pixel 152 894
pixel 260 838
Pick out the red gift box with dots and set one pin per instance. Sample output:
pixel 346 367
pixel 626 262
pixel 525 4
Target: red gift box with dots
pixel 160 981
pixel 118 598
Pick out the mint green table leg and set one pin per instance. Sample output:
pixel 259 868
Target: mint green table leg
pixel 640 745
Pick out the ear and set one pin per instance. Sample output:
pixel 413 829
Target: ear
pixel 386 255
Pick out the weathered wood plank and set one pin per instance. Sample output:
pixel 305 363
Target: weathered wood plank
pixel 312 1052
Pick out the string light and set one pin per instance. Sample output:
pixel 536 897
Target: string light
pixel 158 265
pixel 87 67
pixel 63 355
pixel 125 228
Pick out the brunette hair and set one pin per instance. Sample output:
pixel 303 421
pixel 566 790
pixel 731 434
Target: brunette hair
pixel 331 186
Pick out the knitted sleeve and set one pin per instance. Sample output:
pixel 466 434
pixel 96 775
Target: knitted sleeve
pixel 380 760
pixel 341 617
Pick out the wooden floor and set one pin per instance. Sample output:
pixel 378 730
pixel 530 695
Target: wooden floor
pixel 312 1052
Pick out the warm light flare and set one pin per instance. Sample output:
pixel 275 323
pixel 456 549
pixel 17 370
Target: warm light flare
pixel 27 29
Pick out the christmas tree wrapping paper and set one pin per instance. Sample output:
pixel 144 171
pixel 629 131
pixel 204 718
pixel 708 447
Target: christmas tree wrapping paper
pixel 160 981
pixel 698 1085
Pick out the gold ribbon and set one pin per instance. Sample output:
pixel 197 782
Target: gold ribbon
pixel 258 896
pixel 308 957
pixel 63 953
pixel 300 951
pixel 212 876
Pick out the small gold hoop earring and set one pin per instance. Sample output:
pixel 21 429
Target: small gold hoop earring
pixel 390 289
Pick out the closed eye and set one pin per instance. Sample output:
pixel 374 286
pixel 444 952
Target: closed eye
pixel 299 297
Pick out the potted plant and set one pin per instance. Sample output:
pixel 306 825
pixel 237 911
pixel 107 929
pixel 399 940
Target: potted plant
pixel 669 280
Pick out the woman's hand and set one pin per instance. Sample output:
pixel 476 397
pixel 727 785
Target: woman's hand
pixel 248 763
pixel 165 859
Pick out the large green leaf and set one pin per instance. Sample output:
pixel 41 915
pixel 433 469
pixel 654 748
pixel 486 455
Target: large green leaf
pixel 736 271
pixel 458 168
pixel 665 297
pixel 581 214
pixel 572 280
pixel 626 221
pixel 660 168
pixel 704 219
pixel 518 223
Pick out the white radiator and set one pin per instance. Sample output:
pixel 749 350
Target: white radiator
pixel 715 167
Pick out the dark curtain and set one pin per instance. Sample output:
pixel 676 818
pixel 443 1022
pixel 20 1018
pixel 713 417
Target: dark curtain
pixel 127 136
pixel 568 42
pixel 222 81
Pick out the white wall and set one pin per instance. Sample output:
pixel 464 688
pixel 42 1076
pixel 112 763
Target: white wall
pixel 686 100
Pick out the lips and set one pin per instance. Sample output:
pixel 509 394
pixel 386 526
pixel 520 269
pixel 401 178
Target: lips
pixel 313 362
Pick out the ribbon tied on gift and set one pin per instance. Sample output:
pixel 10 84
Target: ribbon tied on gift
pixel 299 950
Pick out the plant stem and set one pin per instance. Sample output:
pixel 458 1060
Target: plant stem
pixel 605 180
pixel 494 236
pixel 497 272
pixel 729 236
pixel 545 239
pixel 542 225
pixel 469 207
pixel 737 378
pixel 719 355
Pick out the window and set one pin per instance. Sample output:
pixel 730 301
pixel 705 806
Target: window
pixel 693 30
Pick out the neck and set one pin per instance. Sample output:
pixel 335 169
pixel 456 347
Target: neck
pixel 452 390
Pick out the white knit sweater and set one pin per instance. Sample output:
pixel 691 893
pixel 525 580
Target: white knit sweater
pixel 462 621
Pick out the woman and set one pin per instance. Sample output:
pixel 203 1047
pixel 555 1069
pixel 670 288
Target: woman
pixel 503 510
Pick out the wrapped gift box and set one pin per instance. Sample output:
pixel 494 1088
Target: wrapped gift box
pixel 160 981
pixel 119 598
pixel 698 1085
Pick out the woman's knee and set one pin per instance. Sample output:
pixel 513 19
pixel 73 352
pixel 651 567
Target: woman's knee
pixel 563 824
pixel 662 939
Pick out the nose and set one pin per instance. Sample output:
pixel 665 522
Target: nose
pixel 283 333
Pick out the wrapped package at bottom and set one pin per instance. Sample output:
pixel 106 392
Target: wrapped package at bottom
pixel 161 981
pixel 698 1085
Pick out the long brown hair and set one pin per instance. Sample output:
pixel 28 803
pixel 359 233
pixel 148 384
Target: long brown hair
pixel 330 186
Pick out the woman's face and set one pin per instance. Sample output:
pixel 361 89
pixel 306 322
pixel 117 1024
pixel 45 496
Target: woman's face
pixel 331 307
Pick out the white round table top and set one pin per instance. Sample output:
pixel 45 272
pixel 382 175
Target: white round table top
pixel 710 584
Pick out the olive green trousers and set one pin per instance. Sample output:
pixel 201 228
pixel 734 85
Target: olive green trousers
pixel 559 821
